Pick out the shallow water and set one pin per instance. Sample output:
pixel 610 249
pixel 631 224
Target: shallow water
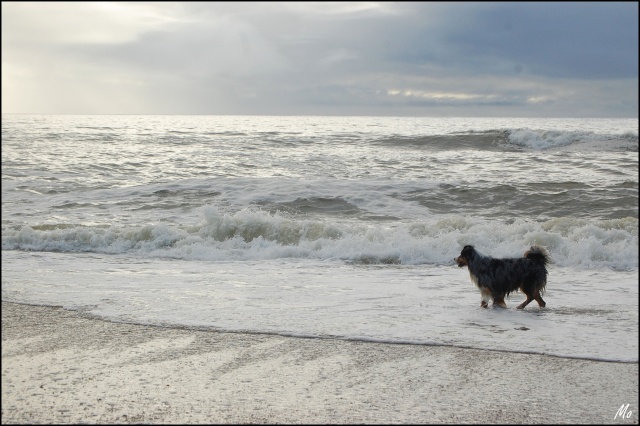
pixel 425 304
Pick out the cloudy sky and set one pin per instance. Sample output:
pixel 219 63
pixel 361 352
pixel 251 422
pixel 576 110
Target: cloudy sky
pixel 366 58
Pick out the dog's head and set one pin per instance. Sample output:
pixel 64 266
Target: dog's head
pixel 466 254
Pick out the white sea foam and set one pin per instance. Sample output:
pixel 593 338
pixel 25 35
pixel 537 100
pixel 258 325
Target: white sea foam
pixel 432 305
pixel 251 234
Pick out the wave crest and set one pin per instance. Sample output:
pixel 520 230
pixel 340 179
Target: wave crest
pixel 548 139
pixel 253 234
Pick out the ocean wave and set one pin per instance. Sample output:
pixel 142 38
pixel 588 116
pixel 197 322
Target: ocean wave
pixel 549 139
pixel 254 234
pixel 527 138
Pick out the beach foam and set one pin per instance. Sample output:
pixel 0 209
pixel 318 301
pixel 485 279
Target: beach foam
pixel 414 304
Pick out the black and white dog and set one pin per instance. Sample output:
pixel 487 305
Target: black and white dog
pixel 496 278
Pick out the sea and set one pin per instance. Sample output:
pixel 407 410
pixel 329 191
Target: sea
pixel 326 227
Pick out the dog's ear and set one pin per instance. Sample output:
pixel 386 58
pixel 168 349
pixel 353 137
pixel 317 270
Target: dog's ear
pixel 467 251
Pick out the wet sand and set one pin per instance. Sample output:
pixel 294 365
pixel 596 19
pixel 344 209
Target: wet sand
pixel 60 367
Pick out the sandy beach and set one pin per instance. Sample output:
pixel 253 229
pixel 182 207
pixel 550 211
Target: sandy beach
pixel 60 367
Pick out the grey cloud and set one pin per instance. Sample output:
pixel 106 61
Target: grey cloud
pixel 352 58
pixel 567 40
pixel 574 40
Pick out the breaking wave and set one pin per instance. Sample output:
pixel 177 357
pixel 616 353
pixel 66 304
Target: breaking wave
pixel 252 234
pixel 548 139
pixel 521 138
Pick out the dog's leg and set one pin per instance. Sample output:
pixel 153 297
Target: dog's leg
pixel 526 302
pixel 539 299
pixel 499 300
pixel 485 297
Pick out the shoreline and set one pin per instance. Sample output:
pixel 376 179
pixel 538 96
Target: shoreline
pixel 312 337
pixel 61 367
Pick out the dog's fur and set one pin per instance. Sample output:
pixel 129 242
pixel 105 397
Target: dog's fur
pixel 496 278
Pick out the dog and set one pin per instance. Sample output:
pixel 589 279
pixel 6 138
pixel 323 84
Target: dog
pixel 496 278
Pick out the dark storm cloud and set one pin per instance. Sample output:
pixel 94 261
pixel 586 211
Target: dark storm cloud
pixel 568 40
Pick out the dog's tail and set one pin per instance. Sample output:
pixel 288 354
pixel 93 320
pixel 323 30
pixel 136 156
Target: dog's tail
pixel 538 255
